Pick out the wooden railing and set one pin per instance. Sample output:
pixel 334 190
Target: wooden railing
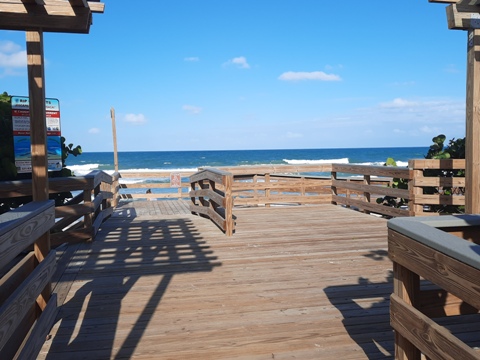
pixel 281 184
pixel 443 252
pixel 151 185
pixel 24 323
pixel 80 218
pixel 355 186
pixel 211 197
pixel 420 181
pixel 363 193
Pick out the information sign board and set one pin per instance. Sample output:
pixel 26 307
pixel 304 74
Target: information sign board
pixel 21 134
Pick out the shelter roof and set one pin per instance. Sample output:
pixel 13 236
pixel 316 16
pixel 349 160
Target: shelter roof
pixel 69 16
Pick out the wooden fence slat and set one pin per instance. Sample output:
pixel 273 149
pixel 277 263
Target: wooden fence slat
pixel 438 164
pixel 209 174
pixel 22 299
pixel 20 228
pixel 273 199
pixel 39 332
pixel 11 280
pixel 100 219
pixel 376 208
pixel 275 169
pixel 439 199
pixel 454 276
pixel 439 182
pixel 208 193
pixel 73 210
pixel 71 237
pixel 439 344
pixel 372 189
pixel 215 217
pixel 387 171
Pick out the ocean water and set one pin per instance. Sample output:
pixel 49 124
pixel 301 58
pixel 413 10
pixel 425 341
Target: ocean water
pixel 192 160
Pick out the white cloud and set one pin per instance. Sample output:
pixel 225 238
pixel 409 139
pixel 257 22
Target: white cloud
pixel 240 62
pixel 192 59
pixel 332 67
pixel 9 47
pixel 404 83
pixel 303 75
pixel 136 119
pixel 94 131
pixel 292 135
pixel 11 57
pixel 451 68
pixel 399 103
pixel 194 110
pixel 430 130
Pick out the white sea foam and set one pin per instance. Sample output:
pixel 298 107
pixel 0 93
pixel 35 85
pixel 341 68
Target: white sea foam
pixel 131 181
pixel 147 170
pixel 315 162
pixel 80 170
pixel 382 163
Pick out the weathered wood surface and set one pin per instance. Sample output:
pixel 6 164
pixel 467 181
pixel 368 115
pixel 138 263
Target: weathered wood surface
pixel 305 282
pixel 289 283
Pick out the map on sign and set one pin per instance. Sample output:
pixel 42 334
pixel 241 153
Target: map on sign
pixel 21 134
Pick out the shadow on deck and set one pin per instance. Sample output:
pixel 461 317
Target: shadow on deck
pixel 299 282
pixel 111 273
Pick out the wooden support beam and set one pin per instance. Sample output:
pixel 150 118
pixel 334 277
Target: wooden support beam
pixel 73 16
pixel 40 20
pixel 38 131
pixel 472 144
pixel 463 2
pixel 38 139
pixel 463 17
pixel 78 3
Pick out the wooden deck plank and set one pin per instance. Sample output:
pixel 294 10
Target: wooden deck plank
pixel 303 282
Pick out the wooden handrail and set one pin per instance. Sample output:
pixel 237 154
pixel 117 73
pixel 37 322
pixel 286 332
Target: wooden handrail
pixel 24 280
pixel 350 185
pixel 122 190
pixel 419 181
pixel 364 192
pixel 428 249
pixel 79 219
pixel 214 196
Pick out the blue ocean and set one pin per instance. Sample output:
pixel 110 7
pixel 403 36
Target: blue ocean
pixel 192 160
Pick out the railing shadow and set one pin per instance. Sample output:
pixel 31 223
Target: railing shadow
pixel 367 322
pixel 118 269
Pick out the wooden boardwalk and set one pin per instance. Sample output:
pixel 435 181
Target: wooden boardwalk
pixel 307 282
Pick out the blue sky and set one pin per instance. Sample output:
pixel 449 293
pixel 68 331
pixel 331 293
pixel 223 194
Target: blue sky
pixel 253 74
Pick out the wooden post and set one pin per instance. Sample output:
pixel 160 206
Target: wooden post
pixel 367 195
pixel 192 198
pixel 267 190
pixel 472 145
pixel 406 285
pixel 114 130
pixel 38 138
pixel 230 224
pixel 347 194
pixel 333 177
pixel 88 218
pixel 413 190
